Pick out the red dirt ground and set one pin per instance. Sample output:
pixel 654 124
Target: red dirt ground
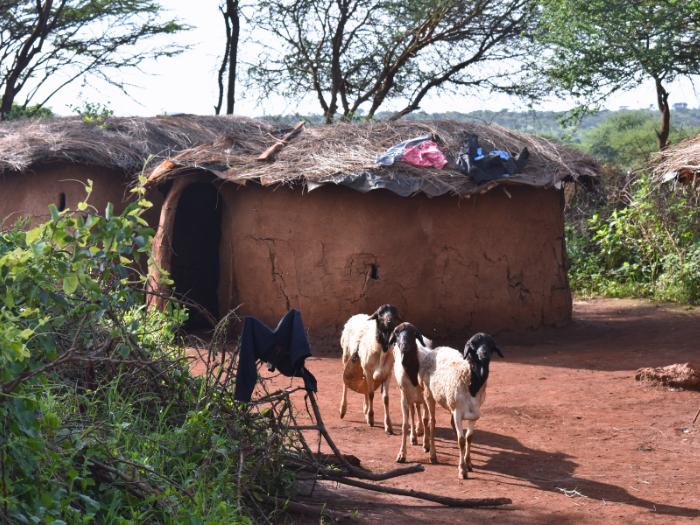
pixel 563 413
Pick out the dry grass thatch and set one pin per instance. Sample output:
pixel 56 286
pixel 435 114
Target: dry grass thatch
pixel 228 147
pixel 122 143
pixel 683 375
pixel 681 161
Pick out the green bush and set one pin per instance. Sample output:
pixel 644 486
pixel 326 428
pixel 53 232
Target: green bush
pixel 649 247
pixel 627 139
pixel 100 419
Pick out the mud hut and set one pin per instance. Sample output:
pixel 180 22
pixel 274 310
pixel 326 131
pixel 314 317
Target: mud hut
pixel 323 229
pixel 48 161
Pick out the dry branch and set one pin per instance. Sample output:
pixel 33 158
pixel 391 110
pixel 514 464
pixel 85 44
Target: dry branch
pixel 270 152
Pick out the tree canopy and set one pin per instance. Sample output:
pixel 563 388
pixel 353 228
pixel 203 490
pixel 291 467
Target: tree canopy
pixel 47 44
pixel 598 47
pixel 356 55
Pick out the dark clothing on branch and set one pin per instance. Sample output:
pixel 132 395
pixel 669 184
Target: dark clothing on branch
pixel 285 348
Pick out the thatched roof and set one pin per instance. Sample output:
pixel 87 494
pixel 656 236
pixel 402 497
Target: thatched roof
pixel 334 154
pixel 678 162
pixel 120 143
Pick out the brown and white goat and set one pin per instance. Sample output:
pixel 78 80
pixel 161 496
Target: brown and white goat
pixel 365 338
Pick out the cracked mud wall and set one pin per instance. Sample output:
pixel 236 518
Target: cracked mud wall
pixel 30 193
pixel 451 266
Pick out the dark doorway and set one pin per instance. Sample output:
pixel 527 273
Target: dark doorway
pixel 195 262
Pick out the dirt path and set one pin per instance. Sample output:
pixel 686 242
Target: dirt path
pixel 566 432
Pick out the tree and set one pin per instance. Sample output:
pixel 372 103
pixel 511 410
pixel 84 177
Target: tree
pixel 47 44
pixel 364 53
pixel 598 47
pixel 231 13
pixel 626 138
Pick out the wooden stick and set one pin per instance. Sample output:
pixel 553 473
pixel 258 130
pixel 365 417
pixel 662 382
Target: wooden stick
pixel 443 500
pixel 696 417
pixel 270 152
pixel 354 471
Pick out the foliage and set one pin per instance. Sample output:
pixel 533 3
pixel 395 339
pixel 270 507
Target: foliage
pixel 361 54
pixel 20 112
pixel 648 247
pixel 94 113
pixel 46 45
pixel 598 47
pixel 101 421
pixel 627 139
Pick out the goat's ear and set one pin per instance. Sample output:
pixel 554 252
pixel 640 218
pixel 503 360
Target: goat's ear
pixel 498 351
pixel 419 336
pixel 375 315
pixel 392 338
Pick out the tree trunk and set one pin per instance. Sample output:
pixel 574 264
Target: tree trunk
pixel 230 61
pixel 233 15
pixel 662 102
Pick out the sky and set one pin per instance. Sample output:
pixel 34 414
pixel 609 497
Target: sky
pixel 187 83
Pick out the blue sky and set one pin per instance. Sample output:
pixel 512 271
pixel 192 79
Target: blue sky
pixel 187 83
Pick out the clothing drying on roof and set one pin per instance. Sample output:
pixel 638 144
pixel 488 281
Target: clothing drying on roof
pixel 422 151
pixel 285 348
pixel 483 167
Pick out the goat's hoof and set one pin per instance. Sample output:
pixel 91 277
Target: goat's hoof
pixel 426 449
pixel 342 413
pixel 433 460
pixel 414 441
pixel 463 474
pixel 389 431
pixel 401 458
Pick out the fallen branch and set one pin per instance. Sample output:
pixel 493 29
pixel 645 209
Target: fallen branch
pixel 352 470
pixel 443 500
pixel 270 152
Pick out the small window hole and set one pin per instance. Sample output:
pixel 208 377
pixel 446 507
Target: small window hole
pixel 61 201
pixel 374 272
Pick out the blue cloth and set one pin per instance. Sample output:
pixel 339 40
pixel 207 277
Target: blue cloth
pixel 285 348
pixel 395 153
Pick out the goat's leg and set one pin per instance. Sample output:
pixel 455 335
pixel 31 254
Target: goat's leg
pixel 412 410
pixel 426 430
pixel 421 411
pixel 463 472
pixel 344 402
pixel 385 400
pixel 431 409
pixel 471 425
pixel 401 458
pixel 369 408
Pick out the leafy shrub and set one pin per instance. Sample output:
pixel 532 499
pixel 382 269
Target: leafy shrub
pixel 100 419
pixel 648 247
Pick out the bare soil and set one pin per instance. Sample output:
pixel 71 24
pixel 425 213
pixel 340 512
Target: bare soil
pixel 566 431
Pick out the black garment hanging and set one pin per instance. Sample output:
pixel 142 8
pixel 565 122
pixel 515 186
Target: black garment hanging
pixel 285 348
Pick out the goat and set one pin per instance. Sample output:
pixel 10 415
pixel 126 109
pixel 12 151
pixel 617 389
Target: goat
pixel 403 339
pixel 457 382
pixel 365 338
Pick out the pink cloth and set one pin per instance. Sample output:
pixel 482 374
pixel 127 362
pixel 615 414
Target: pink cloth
pixel 426 154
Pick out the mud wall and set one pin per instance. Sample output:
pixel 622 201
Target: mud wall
pixel 490 262
pixel 30 193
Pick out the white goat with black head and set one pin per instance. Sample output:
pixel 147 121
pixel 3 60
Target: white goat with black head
pixel 365 342
pixel 404 340
pixel 457 382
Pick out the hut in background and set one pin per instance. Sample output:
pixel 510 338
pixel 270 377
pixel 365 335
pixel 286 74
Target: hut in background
pixel 325 230
pixel 48 161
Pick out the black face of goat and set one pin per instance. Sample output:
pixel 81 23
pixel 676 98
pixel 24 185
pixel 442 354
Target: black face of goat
pixel 481 347
pixel 387 318
pixel 404 338
pixel 478 352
